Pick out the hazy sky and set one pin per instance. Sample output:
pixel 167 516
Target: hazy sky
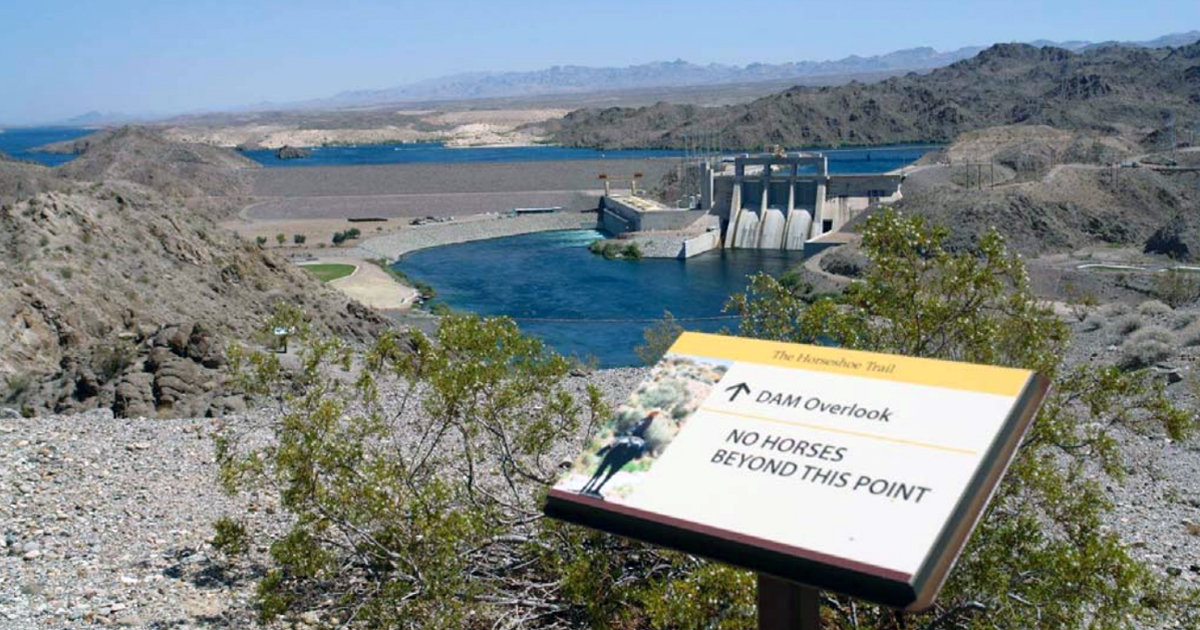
pixel 62 58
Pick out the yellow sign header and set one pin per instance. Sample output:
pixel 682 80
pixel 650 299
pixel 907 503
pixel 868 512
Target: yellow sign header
pixel 889 367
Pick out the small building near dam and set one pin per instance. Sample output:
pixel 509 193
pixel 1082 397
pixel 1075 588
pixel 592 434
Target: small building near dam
pixel 762 201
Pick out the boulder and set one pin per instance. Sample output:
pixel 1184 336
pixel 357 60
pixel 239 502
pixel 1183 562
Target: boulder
pixel 846 261
pixel 134 395
pixel 288 152
pixel 1178 239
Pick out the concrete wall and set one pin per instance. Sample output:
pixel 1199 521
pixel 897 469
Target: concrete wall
pixel 620 217
pixel 705 242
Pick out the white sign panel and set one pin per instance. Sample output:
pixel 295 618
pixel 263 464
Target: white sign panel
pixel 857 472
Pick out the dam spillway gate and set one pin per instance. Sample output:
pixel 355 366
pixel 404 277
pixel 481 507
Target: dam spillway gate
pixel 777 201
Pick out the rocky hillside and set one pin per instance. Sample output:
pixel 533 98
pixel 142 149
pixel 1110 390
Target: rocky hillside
pixel 144 156
pixel 113 294
pixel 1102 89
pixel 1049 190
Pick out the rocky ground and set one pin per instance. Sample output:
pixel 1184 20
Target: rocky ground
pixel 108 522
pixel 272 130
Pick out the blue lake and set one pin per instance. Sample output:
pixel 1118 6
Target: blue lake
pixel 18 143
pixel 424 152
pixel 596 308
pixel 874 160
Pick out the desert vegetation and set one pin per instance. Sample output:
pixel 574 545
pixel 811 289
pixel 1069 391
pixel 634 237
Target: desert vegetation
pixel 414 475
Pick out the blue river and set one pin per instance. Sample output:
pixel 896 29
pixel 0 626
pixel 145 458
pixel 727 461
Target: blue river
pixel 579 303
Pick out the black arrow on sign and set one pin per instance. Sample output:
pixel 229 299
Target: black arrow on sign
pixel 740 388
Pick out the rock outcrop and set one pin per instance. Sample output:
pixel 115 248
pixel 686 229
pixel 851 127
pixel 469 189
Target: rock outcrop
pixel 288 152
pixel 1178 239
pixel 115 294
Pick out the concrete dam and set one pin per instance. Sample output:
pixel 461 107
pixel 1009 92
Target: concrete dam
pixel 778 207
pixel 783 201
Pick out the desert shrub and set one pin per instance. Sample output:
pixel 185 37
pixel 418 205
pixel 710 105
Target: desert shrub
pixel 281 238
pixel 423 511
pixel 260 240
pixel 1126 324
pixel 1154 308
pixel 111 358
pixel 1176 287
pixel 1116 309
pixel 15 385
pixel 230 537
pixel 1183 319
pixel 1039 557
pixel 658 339
pixel 1092 322
pixel 612 250
pixel 1190 335
pixel 1147 347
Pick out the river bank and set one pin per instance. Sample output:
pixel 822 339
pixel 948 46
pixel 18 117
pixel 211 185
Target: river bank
pixel 471 228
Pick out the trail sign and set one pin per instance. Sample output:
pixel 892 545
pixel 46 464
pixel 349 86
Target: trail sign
pixel 855 472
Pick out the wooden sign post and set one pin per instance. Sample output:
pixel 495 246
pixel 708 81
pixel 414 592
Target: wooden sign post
pixel 783 605
pixel 818 468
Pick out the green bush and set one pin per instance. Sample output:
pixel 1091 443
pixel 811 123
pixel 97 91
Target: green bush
pixel 111 358
pixel 659 339
pixel 230 538
pixel 1040 557
pixel 631 251
pixel 427 516
pixel 260 240
pixel 299 239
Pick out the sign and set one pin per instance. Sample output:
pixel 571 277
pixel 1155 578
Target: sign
pixel 850 471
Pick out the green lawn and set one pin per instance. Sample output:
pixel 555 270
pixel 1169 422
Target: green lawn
pixel 329 271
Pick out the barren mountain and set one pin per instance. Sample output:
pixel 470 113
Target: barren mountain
pixel 573 79
pixel 114 294
pixel 1046 190
pixel 147 157
pixel 1100 89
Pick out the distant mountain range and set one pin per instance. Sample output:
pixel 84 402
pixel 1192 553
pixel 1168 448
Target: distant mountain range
pixel 680 73
pixel 1097 88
